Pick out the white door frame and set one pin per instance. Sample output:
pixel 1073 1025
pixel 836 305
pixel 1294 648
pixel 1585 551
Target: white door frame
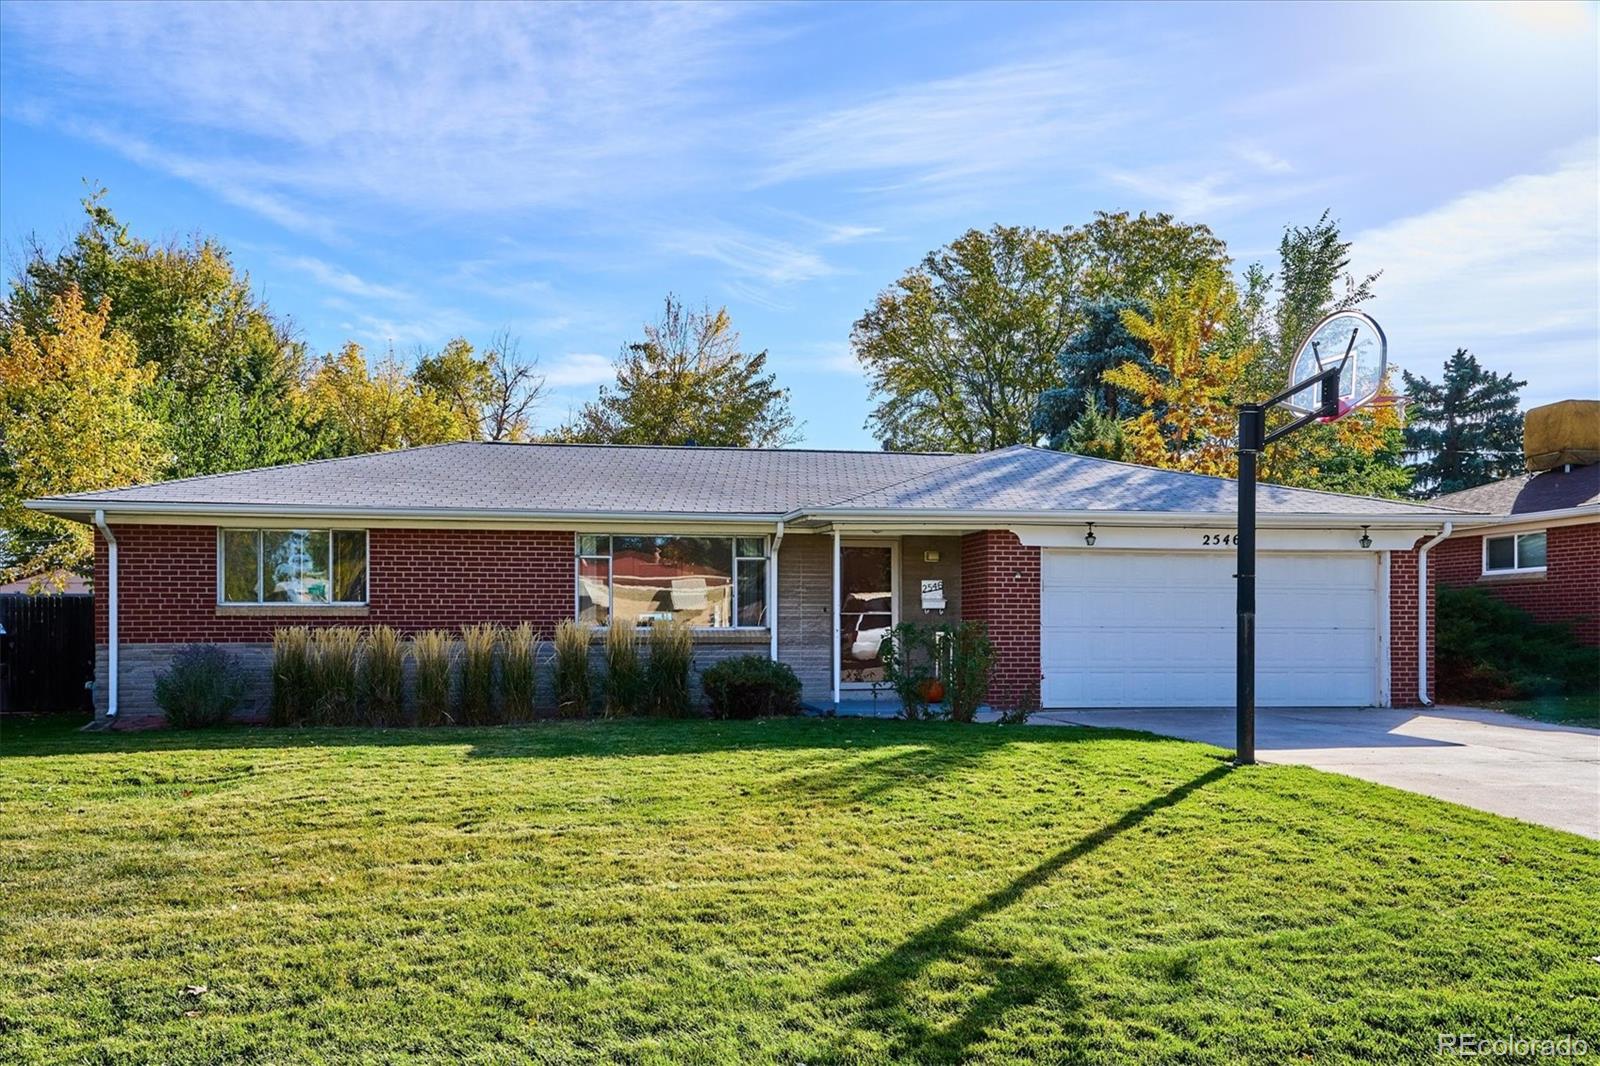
pixel 841 542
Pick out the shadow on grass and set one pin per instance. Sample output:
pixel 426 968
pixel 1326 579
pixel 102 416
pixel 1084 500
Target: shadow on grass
pixel 591 738
pixel 886 982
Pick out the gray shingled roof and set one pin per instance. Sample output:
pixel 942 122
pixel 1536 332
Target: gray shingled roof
pixel 576 479
pixel 1553 490
pixel 1034 479
pixel 551 478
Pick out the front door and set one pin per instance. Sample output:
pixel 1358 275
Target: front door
pixel 866 609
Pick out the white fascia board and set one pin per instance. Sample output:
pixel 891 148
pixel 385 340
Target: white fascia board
pixel 917 519
pixel 1566 516
pixel 1343 538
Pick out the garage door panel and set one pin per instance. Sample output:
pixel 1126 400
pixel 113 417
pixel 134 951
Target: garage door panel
pixel 1157 629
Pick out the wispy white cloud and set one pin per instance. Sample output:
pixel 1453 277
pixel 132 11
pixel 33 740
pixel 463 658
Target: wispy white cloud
pixel 577 370
pixel 991 120
pixel 343 281
pixel 1508 271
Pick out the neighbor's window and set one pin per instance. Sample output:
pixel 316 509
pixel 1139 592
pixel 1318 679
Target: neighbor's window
pixel 704 581
pixel 1519 551
pixel 292 566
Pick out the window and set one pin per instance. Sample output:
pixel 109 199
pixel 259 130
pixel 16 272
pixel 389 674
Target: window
pixel 323 566
pixel 719 582
pixel 1514 552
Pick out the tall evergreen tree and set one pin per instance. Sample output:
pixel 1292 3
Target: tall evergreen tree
pixel 1464 431
pixel 1101 343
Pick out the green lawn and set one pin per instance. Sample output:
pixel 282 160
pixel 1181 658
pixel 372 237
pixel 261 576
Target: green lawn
pixel 1563 710
pixel 797 891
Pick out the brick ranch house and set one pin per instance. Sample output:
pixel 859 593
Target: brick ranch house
pixel 1102 583
pixel 1540 550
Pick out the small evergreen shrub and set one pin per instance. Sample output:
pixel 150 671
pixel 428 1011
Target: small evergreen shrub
pixel 519 671
pixel 751 686
pixel 966 661
pixel 667 672
pixel 383 677
pixel 292 694
pixel 336 676
pixel 478 645
pixel 571 668
pixel 431 651
pixel 908 652
pixel 203 687
pixel 624 684
pixel 1488 649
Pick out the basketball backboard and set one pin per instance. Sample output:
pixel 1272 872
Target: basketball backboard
pixel 1350 338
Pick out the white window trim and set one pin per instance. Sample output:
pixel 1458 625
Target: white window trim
pixel 734 559
pixel 284 605
pixel 1516 553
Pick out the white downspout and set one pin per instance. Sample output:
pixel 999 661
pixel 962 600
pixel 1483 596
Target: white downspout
pixel 1422 614
pixel 772 593
pixel 111 613
pixel 836 631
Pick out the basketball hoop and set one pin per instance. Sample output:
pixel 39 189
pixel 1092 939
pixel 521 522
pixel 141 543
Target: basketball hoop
pixel 1351 341
pixel 1338 368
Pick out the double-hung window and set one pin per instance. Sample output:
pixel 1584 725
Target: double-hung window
pixel 308 566
pixel 1514 553
pixel 716 582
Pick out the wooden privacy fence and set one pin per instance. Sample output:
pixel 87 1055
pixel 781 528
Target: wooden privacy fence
pixel 46 653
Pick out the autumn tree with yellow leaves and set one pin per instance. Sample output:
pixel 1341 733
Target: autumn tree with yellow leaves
pixel 71 420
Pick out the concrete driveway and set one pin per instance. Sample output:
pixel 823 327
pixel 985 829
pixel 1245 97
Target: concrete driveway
pixel 1549 774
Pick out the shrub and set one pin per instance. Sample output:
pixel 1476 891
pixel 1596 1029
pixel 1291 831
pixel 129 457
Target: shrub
pixel 751 686
pixel 519 671
pixel 431 652
pixel 572 668
pixel 479 644
pixel 202 687
pixel 291 676
pixel 966 661
pixel 624 685
pixel 383 676
pixel 1488 649
pixel 908 653
pixel 336 675
pixel 667 672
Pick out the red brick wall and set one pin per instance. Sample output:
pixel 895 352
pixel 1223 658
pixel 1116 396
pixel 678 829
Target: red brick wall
pixel 1568 590
pixel 418 579
pixel 1403 625
pixel 1000 586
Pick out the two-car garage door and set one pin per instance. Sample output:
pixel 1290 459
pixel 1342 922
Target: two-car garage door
pixel 1156 629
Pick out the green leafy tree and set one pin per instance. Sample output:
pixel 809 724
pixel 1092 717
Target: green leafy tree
pixel 495 393
pixel 1098 435
pixel 689 381
pixel 963 347
pixel 1080 408
pixel 71 420
pixel 358 408
pixel 1464 431
pixel 228 370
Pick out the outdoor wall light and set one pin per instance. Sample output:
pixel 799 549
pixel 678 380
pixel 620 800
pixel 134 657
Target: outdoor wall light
pixel 1366 540
pixel 1088 538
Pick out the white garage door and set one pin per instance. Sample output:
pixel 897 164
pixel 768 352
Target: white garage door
pixel 1156 629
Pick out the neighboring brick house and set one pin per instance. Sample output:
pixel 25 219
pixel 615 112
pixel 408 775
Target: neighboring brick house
pixel 1541 549
pixel 1102 583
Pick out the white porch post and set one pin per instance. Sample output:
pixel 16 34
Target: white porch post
pixel 836 632
pixel 772 592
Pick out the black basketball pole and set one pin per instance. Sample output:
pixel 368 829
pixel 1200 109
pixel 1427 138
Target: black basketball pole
pixel 1253 439
pixel 1252 423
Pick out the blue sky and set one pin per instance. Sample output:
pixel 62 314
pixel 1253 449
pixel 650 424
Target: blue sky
pixel 406 174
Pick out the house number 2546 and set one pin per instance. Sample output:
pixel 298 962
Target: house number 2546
pixel 1217 540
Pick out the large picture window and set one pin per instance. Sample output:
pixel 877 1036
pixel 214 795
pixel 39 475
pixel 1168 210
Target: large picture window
pixel 718 582
pixel 1513 553
pixel 326 566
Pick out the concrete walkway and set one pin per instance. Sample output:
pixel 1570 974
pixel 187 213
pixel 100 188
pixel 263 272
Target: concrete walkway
pixel 1548 774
